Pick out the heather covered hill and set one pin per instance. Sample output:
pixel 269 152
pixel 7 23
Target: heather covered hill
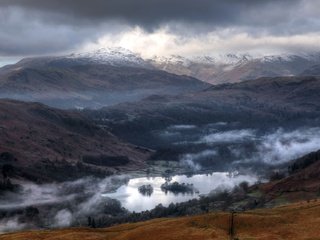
pixel 303 181
pixel 39 142
pixel 294 221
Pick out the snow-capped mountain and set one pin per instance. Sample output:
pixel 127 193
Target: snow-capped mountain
pixel 206 59
pixel 105 56
pixel 111 56
pixel 215 69
pixel 236 67
pixel 172 59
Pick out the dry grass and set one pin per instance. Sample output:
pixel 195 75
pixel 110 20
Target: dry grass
pixel 295 221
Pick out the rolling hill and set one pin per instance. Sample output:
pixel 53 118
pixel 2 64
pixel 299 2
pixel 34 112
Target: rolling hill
pixel 38 141
pixel 280 101
pixel 303 181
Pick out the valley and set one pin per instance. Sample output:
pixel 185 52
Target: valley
pixel 101 139
pixel 239 138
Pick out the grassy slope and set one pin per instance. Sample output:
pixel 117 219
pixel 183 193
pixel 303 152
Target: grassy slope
pixel 296 221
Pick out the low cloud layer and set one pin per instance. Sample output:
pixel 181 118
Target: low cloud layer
pixel 242 147
pixel 60 205
pixel 229 136
pixel 282 146
pixel 11 224
pixel 191 159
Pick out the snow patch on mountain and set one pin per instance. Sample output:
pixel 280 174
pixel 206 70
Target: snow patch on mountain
pixel 172 59
pixel 227 59
pixel 111 56
pixel 123 57
pixel 233 59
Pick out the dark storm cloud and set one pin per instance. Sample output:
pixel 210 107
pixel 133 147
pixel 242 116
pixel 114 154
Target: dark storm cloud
pixel 150 13
pixel 38 27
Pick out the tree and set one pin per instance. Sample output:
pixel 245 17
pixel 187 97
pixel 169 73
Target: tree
pixel 93 223
pixel 89 221
pixel 7 170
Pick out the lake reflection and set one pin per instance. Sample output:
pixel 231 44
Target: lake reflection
pixel 133 200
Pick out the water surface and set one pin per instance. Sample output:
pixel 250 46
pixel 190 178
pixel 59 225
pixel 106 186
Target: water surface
pixel 133 200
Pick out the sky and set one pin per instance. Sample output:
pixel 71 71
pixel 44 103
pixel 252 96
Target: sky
pixel 158 27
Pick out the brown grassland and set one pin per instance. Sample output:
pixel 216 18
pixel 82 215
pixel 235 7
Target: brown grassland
pixel 294 221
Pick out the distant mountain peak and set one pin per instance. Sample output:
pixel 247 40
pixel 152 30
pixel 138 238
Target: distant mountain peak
pixel 114 51
pixel 234 59
pixel 223 59
pixel 117 56
pixel 234 67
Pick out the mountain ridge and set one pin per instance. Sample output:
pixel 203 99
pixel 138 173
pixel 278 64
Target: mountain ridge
pixel 211 68
pixel 235 68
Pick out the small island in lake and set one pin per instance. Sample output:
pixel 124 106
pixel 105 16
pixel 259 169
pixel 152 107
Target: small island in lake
pixel 176 188
pixel 146 190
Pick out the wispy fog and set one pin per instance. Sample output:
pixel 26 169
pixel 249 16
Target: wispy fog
pixel 33 194
pixel 191 159
pixel 229 148
pixel 57 204
pixel 71 203
pixel 282 146
pixel 11 224
pixel 229 136
pixel 182 127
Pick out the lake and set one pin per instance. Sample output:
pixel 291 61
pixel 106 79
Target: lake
pixel 131 199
